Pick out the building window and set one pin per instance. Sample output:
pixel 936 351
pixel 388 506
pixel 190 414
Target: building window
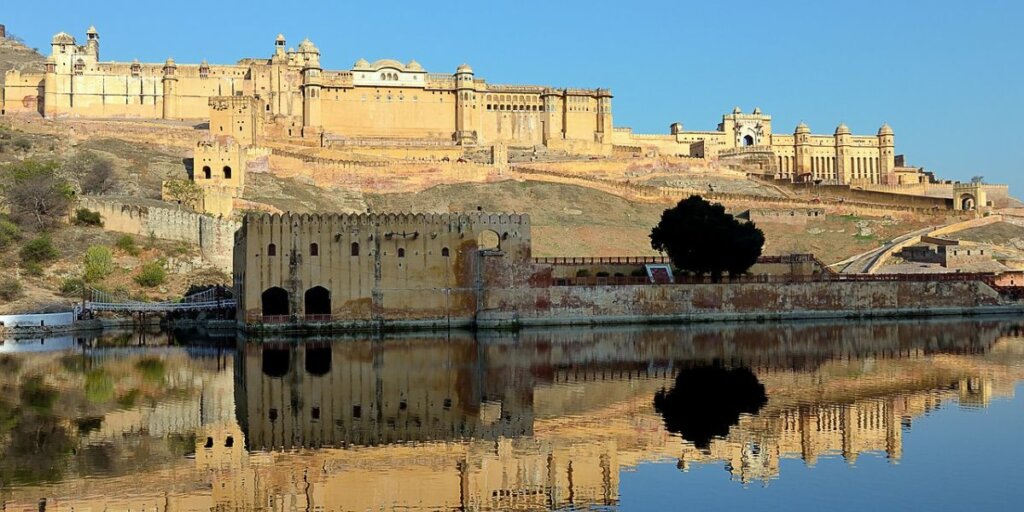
pixel 444 252
pixel 314 250
pixel 355 248
pixel 401 253
pixel 271 250
pixel 207 173
pixel 227 169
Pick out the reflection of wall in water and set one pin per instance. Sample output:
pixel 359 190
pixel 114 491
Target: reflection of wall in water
pixel 368 393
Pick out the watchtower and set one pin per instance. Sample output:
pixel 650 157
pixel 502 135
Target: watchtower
pixel 465 102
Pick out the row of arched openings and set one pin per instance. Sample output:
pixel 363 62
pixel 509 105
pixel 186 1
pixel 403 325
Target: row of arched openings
pixel 208 173
pixel 276 302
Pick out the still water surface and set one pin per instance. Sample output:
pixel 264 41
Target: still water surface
pixel 840 416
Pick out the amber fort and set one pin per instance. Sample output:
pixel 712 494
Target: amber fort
pixel 289 96
pixel 283 125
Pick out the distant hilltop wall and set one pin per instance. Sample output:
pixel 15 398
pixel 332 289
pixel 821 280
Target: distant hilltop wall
pixel 215 237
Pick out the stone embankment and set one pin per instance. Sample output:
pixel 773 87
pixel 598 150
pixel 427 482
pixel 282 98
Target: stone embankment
pixel 761 298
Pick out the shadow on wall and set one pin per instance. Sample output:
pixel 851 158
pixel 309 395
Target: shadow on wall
pixel 706 401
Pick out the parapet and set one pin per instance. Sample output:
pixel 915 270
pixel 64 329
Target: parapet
pixel 389 219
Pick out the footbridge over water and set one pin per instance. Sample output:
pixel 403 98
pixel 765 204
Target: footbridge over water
pixel 219 299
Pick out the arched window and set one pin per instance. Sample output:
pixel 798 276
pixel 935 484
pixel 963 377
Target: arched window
pixel 314 250
pixel 207 173
pixel 444 252
pixel 355 248
pixel 401 253
pixel 383 76
pixel 748 140
pixel 227 172
pixel 271 250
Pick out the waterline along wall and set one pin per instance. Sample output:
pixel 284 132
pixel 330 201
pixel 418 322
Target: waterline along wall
pixel 369 271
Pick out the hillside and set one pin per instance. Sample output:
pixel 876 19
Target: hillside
pixel 570 220
pixel 15 55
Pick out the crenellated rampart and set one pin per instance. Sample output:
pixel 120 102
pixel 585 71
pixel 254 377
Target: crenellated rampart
pixel 213 236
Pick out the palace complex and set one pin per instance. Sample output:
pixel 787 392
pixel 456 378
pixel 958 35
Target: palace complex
pixel 288 97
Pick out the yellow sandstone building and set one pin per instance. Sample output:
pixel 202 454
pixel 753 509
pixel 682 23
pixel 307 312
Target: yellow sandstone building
pixel 288 96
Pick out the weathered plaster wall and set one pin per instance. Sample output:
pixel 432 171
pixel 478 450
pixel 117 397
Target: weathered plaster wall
pixel 406 267
pixel 596 304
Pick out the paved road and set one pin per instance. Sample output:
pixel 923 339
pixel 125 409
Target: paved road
pixel 862 262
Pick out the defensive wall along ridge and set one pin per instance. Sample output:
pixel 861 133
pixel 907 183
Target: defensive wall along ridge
pixel 880 203
pixel 213 236
pixel 369 271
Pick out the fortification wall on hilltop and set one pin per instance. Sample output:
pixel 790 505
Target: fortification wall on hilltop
pixel 146 132
pixel 391 177
pixel 998 194
pixel 214 237
pixel 672 194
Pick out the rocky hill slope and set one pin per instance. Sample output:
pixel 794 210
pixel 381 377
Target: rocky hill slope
pixel 15 55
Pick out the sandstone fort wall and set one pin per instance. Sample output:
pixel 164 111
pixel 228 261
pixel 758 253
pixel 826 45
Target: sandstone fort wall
pixel 214 237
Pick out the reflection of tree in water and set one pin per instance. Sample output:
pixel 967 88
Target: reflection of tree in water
pixel 707 400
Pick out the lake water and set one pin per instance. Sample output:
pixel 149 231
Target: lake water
pixel 923 415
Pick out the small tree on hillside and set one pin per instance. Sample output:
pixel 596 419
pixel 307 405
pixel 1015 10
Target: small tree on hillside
pixel 35 193
pixel 700 237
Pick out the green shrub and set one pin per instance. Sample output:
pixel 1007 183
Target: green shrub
pixel 10 288
pixel 33 269
pixel 99 263
pixel 9 233
pixel 152 274
pixel 22 144
pixel 39 250
pixel 582 273
pixel 87 217
pixel 127 244
pixel 72 286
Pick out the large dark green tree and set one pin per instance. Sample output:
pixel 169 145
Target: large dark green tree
pixel 700 237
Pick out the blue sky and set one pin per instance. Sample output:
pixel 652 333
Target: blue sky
pixel 946 75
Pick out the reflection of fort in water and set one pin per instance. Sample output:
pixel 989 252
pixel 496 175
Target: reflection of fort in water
pixel 367 393
pixel 547 419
